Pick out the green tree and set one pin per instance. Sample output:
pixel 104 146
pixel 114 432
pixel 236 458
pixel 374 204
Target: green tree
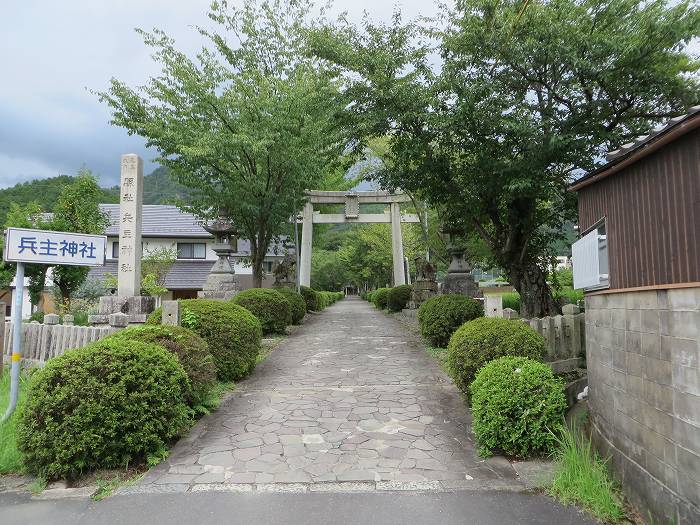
pixel 525 97
pixel 248 124
pixel 328 271
pixel 25 216
pixel 77 210
pixel 365 255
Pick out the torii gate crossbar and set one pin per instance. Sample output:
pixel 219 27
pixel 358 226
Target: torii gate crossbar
pixel 352 201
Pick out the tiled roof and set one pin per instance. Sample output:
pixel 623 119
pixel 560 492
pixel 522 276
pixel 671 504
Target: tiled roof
pixel 644 139
pixel 163 220
pixel 183 275
pixel 641 146
pixel 159 220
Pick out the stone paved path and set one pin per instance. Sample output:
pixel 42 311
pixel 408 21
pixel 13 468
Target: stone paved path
pixel 350 397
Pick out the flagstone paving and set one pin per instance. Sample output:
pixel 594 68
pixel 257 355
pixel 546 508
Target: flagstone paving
pixel 351 399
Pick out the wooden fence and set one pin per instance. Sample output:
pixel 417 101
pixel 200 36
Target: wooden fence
pixel 41 342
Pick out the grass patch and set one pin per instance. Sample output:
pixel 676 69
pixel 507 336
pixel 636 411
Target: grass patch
pixel 37 486
pixel 267 346
pixel 105 487
pixel 214 397
pixel 10 457
pixel 582 477
pixel 440 354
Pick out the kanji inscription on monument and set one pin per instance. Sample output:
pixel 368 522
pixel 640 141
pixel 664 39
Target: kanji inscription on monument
pixel 130 205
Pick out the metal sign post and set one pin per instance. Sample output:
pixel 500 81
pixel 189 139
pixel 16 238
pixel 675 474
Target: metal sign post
pixel 16 341
pixel 23 245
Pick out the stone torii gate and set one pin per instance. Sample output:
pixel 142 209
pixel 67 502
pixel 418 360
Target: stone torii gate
pixel 352 201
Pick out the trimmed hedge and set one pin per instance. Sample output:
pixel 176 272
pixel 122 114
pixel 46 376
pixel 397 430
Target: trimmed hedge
pixel 479 341
pixel 297 305
pixel 312 299
pixel 192 352
pixel 440 316
pixel 328 298
pixel 398 297
pixel 317 301
pixel 232 333
pixel 380 298
pixel 109 404
pixel 518 407
pixel 270 307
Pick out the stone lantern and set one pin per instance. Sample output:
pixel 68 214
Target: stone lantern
pixel 458 279
pixel 222 282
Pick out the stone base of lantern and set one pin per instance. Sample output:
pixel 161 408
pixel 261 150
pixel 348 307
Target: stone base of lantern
pixel 136 308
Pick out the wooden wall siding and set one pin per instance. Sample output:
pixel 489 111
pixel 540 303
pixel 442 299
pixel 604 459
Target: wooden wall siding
pixel 653 216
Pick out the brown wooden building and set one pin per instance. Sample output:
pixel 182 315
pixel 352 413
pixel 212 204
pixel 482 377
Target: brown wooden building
pixel 648 199
pixel 638 259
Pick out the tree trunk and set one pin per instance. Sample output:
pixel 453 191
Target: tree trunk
pixel 536 299
pixel 258 251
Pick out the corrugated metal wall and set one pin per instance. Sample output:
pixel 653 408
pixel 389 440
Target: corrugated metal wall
pixel 652 211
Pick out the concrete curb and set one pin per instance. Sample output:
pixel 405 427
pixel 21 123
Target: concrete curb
pixel 335 487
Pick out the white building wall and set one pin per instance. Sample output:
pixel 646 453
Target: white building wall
pixel 155 243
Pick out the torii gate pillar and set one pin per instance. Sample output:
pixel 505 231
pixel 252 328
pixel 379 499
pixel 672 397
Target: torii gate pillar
pixel 397 245
pixel 352 201
pixel 307 230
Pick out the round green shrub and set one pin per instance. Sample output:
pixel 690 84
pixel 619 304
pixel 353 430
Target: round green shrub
pixel 297 305
pixel 399 297
pixel 269 306
pixel 192 352
pixel 109 404
pixel 380 297
pixel 518 407
pixel 441 315
pixel 232 333
pixel 312 299
pixel 479 341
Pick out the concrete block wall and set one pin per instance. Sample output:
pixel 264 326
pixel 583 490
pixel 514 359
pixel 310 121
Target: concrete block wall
pixel 643 359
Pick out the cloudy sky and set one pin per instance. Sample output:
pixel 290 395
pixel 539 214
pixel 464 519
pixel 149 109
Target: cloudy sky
pixel 52 53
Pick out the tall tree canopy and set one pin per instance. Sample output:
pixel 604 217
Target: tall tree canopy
pixel 249 123
pixel 492 112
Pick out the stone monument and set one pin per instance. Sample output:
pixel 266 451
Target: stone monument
pixel 222 281
pixel 128 300
pixel 459 279
pixel 285 272
pixel 425 285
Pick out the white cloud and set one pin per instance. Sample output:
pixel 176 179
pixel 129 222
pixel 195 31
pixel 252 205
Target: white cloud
pixel 53 52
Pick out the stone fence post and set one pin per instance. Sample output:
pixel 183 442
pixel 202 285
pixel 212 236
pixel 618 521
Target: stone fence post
pixel 509 313
pixel 171 313
pixel 118 320
pixel 493 306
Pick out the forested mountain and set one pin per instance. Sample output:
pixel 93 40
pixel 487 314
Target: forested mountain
pixel 157 189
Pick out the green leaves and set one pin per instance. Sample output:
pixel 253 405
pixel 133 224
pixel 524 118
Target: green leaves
pixel 249 123
pixel 520 98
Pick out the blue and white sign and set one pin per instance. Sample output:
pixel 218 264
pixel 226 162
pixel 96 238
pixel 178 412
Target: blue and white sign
pixel 47 247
